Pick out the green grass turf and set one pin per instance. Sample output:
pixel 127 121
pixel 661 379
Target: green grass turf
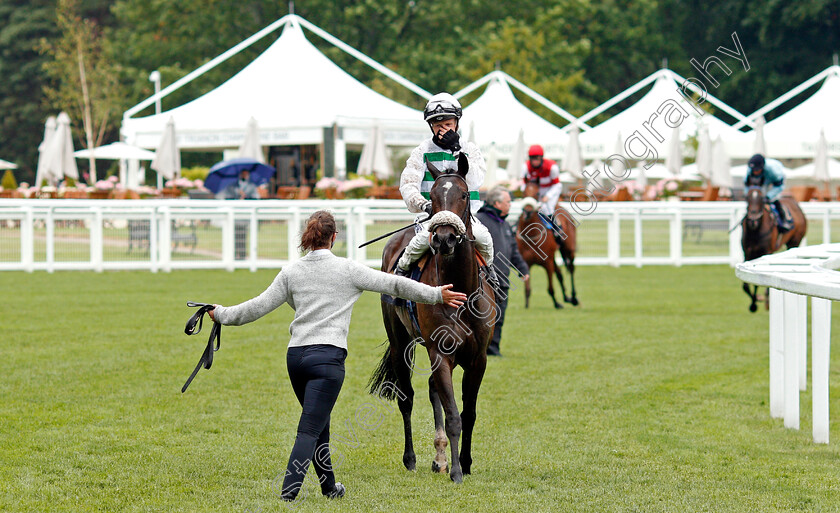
pixel 651 396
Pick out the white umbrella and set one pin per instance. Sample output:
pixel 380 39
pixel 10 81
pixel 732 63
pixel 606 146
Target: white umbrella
pixel 821 159
pixel 250 147
pixel 129 157
pixel 517 158
pixel 49 131
pixel 493 174
pixel 674 159
pixel 655 172
pixel 5 164
pixel 117 151
pixel 808 171
pixel 704 153
pixel 374 157
pixel 58 156
pixel 572 162
pixel 471 137
pixel 167 160
pixel 758 143
pixel 720 176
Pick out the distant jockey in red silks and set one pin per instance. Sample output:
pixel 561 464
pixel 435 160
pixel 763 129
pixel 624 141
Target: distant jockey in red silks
pixel 547 174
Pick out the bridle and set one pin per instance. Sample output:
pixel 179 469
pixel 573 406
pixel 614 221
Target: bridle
pixel 465 215
pixel 754 217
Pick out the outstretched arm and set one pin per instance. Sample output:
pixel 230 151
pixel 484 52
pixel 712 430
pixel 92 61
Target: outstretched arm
pixel 275 295
pixel 365 278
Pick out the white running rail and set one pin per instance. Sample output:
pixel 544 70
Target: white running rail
pixel 792 277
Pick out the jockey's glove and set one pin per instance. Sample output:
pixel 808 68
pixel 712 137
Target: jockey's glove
pixel 427 208
pixel 449 141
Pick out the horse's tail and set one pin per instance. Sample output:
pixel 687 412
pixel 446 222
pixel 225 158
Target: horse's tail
pixel 384 379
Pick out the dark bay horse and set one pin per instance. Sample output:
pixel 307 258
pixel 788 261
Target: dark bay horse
pixel 537 245
pixel 451 336
pixel 760 233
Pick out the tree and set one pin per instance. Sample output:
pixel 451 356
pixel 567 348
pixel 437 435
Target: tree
pixel 84 77
pixel 23 23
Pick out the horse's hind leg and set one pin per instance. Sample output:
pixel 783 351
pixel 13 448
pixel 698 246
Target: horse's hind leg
pixel 570 265
pixel 439 463
pixel 528 291
pixel 400 353
pixel 469 395
pixel 551 269
pixel 752 295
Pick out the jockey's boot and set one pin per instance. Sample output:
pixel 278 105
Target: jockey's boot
pixel 399 271
pixel 490 275
pixel 785 222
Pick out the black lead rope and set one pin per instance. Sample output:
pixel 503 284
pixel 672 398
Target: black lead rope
pixel 215 334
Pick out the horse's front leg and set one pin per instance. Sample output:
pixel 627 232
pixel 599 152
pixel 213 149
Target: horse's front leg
pixel 469 396
pixel 439 463
pixel 550 269
pixel 443 385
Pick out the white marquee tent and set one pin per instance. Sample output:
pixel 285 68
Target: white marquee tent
pixel 657 111
pixel 289 109
pixel 795 133
pixel 497 117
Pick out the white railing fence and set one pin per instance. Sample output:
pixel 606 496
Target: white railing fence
pixel 793 276
pixel 161 235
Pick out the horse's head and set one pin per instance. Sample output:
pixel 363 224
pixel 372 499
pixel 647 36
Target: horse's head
pixel 755 208
pixel 529 210
pixel 450 197
pixel 532 189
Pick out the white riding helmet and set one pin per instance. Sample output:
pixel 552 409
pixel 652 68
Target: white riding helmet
pixel 442 106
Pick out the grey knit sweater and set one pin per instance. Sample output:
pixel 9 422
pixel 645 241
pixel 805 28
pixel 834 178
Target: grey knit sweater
pixel 322 288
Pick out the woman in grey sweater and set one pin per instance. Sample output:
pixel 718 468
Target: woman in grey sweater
pixel 322 289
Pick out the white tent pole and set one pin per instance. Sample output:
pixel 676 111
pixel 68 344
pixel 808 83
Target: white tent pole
pixel 364 58
pixel 475 85
pixel 206 67
pixel 620 96
pixel 542 101
pixel 790 94
pixel 711 99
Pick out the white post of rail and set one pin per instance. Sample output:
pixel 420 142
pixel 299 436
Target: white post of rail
pixel 97 244
pixel 253 249
pixel 294 234
pixel 27 240
pixel 50 240
pixel 165 240
pixel 826 226
pixel 153 241
pixel 228 239
pixel 676 238
pixel 637 236
pixel 614 239
pixel 777 354
pixel 820 351
pixel 736 254
pixel 802 340
pixel 791 361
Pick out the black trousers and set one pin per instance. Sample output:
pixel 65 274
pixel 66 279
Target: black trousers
pixel 501 302
pixel 317 373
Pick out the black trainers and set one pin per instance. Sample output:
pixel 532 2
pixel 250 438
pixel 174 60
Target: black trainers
pixel 337 493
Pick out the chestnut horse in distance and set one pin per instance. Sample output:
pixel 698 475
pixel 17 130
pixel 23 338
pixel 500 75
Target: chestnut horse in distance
pixel 537 245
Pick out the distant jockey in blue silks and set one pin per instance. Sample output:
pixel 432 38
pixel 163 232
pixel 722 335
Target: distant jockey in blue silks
pixel 769 175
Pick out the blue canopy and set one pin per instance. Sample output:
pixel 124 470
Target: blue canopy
pixel 227 172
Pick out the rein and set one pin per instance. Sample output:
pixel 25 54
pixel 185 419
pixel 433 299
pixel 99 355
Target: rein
pixel 215 335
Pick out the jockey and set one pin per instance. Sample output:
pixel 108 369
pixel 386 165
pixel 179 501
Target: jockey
pixel 547 174
pixel 442 112
pixel 769 175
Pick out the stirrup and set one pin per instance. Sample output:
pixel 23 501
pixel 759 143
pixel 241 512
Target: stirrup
pixel 490 276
